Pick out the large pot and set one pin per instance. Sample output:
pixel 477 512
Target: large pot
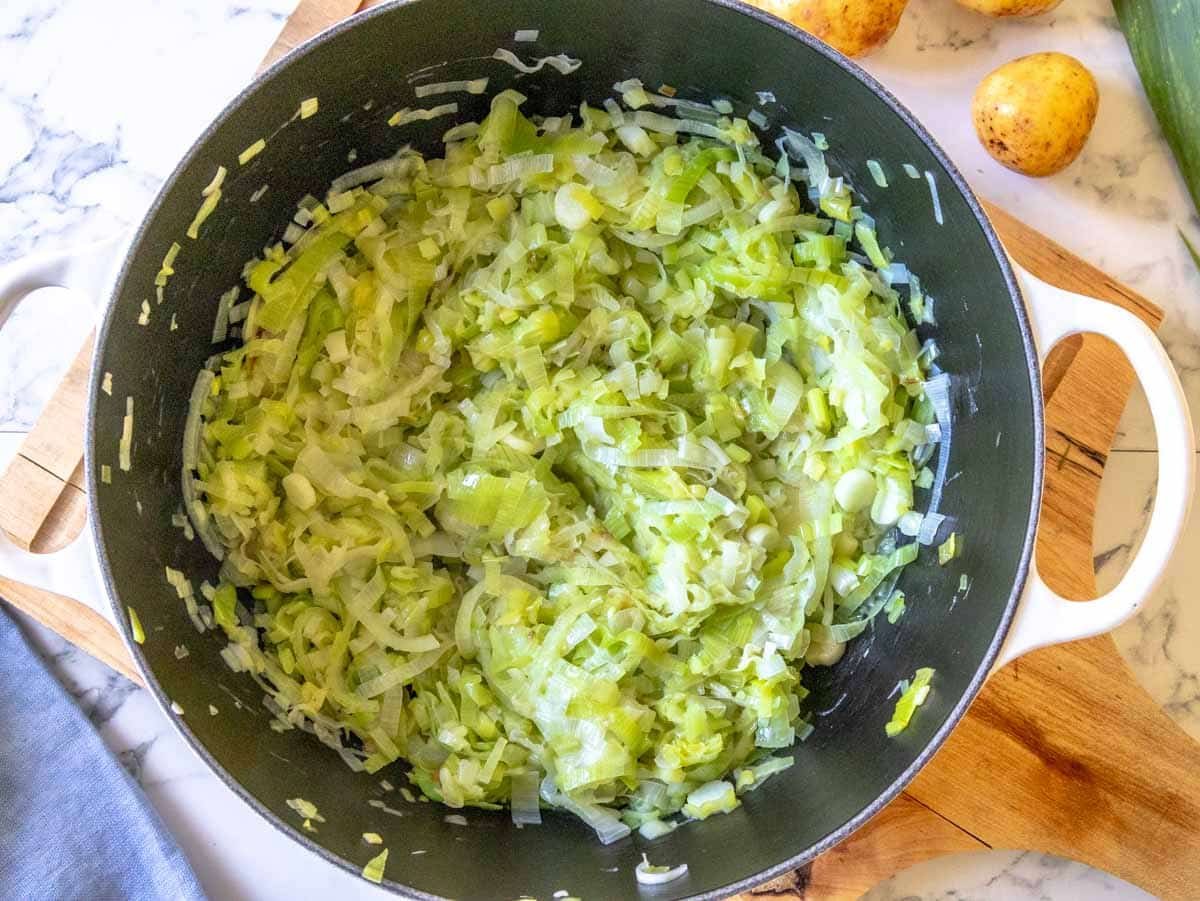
pixel 989 471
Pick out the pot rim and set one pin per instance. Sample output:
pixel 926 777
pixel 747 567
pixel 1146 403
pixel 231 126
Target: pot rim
pixel 888 794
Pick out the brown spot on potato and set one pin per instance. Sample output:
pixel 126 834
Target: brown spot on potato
pixel 1035 113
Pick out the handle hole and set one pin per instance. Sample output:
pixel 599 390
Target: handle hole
pixel 1122 512
pixel 1076 463
pixel 1058 362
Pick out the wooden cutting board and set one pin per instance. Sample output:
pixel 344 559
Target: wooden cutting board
pixel 1062 751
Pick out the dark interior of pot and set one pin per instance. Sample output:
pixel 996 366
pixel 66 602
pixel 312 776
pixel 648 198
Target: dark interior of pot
pixel 361 75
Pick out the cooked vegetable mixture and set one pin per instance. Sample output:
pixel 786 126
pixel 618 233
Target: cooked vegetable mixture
pixel 549 466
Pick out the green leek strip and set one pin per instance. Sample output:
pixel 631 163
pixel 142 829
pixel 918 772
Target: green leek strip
pixel 135 625
pixel 167 269
pixel 1191 248
pixel 401 675
pixel 125 445
pixel 949 549
pixel 407 114
pixel 910 699
pixel 373 871
pixel 876 570
pixel 288 295
pixel 207 206
pixel 870 244
pixel 252 151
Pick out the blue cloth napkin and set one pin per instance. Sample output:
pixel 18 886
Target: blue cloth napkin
pixel 73 824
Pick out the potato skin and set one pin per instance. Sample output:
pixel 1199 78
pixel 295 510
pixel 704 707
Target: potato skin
pixel 1018 8
pixel 1035 113
pixel 855 27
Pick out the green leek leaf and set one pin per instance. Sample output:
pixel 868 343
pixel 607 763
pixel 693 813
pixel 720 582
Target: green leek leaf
pixel 1162 37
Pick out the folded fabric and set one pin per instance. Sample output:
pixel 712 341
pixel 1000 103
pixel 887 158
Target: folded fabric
pixel 75 825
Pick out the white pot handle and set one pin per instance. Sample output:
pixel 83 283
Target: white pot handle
pixel 1043 617
pixel 71 571
pixel 89 270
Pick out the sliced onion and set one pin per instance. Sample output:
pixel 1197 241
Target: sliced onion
pixel 646 240
pixel 937 389
pixel 933 194
pixel 614 111
pixel 521 167
pixel 526 808
pixel 656 122
pixel 461 132
pixel 599 175
pixel 221 324
pixel 471 86
pixel 560 62
pixel 607 824
pixel 125 446
pixel 877 175
pixel 648 874
pixel 191 428
pixel 910 523
pixel 402 674
pixel 814 160
pixel 390 168
pixel 408 114
pixel 705 129
pixel 656 828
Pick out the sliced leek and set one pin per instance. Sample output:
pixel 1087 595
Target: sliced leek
pixel 549 465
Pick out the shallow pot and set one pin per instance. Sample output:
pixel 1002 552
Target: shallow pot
pixel 994 325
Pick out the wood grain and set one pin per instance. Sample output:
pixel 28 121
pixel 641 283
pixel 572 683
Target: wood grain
pixel 1088 767
pixel 1092 768
pixel 49 458
pixel 310 18
pixel 1046 258
pixel 65 519
pixel 904 834
pixel 77 623
pixel 1063 751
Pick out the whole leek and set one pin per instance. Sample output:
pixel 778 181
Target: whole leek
pixel 1162 37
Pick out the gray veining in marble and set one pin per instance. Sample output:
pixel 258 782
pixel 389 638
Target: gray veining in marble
pixel 1004 875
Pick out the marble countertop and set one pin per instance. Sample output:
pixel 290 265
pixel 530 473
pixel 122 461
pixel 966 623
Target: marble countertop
pixel 87 132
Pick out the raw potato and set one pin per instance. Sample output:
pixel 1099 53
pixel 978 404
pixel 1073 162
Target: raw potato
pixel 855 27
pixel 1035 113
pixel 1010 7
